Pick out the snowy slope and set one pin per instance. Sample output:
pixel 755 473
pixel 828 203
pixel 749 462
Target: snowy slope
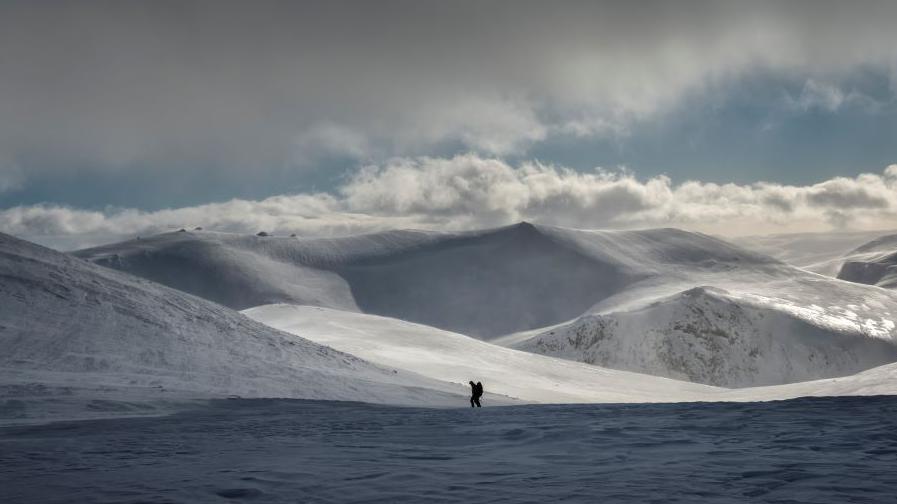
pixel 881 380
pixel 234 270
pixel 533 378
pixel 65 322
pixel 873 263
pixel 453 357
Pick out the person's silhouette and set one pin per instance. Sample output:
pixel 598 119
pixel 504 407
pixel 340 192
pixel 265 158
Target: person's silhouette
pixel 476 391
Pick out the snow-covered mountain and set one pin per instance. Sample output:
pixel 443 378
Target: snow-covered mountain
pixel 664 301
pixel 874 263
pixel 732 320
pixel 68 323
pixel 712 336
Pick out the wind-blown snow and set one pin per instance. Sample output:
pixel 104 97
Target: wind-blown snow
pixel 820 252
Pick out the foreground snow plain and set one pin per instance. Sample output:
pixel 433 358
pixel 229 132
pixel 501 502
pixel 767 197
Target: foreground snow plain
pixel 820 451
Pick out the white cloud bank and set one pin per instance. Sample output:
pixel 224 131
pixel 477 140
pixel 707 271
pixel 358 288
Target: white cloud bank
pixel 467 192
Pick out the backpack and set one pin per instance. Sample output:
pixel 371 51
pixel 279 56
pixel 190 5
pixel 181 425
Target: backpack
pixel 479 388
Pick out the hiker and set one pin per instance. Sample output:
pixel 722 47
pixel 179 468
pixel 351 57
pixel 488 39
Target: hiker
pixel 476 391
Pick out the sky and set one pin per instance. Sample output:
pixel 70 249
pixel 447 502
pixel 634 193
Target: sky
pixel 333 117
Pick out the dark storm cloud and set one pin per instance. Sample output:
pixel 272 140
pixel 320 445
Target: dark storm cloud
pixel 243 87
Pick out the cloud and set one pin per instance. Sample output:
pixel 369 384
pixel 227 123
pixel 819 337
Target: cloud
pixel 866 191
pixel 239 87
pixel 490 125
pixel 470 191
pixel 828 97
pixel 819 95
pixel 327 139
